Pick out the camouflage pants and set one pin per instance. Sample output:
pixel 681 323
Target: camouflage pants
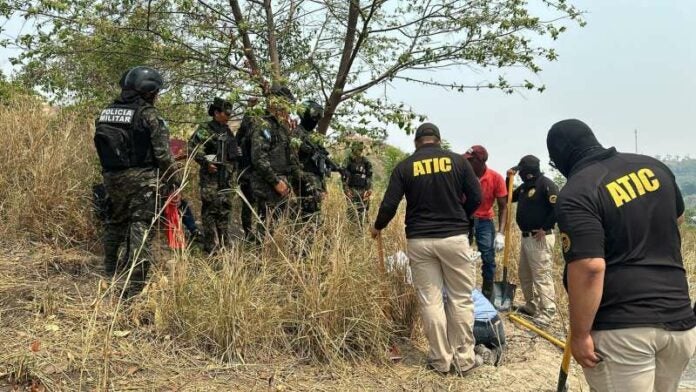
pixel 133 195
pixel 270 207
pixel 216 206
pixel 310 197
pixel 246 214
pixel 357 206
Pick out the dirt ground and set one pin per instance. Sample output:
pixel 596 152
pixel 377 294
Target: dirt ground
pixel 55 336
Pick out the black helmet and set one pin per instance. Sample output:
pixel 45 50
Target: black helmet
pixel 279 90
pixel 220 105
pixel 311 111
pixel 122 81
pixel 143 80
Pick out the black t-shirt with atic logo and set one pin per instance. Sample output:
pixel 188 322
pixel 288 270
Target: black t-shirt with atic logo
pixel 536 201
pixel 441 192
pixel 624 209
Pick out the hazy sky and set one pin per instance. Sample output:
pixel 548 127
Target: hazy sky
pixel 632 67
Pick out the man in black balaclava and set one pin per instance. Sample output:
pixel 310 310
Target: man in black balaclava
pixel 536 198
pixel 315 160
pixel 632 323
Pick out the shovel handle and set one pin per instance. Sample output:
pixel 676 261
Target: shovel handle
pixel 565 365
pixel 380 254
pixel 508 225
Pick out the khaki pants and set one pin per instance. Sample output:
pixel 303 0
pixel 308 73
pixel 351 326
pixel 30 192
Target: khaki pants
pixel 640 359
pixel 536 278
pixel 437 263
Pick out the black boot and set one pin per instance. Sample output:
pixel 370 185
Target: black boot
pixel 487 289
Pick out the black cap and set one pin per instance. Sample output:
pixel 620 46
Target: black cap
pixel 528 162
pixel 220 105
pixel 427 129
pixel 282 91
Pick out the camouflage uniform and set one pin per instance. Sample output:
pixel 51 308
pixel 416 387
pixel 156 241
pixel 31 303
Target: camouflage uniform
pixel 244 142
pixel 357 180
pixel 316 166
pixel 215 143
pixel 272 160
pixel 133 191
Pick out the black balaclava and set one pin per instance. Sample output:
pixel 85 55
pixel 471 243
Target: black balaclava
pixel 310 115
pixel 529 168
pixel 569 142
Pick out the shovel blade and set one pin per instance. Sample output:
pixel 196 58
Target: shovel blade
pixel 503 295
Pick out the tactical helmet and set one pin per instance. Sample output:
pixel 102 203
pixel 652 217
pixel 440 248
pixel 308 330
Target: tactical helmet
pixel 122 81
pixel 220 105
pixel 279 90
pixel 311 111
pixel 143 80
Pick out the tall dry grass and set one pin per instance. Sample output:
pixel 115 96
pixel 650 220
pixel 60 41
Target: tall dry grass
pixel 315 294
pixel 48 167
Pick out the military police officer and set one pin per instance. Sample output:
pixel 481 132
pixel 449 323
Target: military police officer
pixel 132 142
pixel 316 164
pixel 214 148
pixel 244 167
pixel 536 198
pixel 275 167
pixel 357 183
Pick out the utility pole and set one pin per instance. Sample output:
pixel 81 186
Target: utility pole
pixel 635 133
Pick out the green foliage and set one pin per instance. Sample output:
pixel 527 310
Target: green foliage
pixel 331 50
pixel 684 170
pixel 389 156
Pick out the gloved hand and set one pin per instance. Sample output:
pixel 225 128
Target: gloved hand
pixel 499 241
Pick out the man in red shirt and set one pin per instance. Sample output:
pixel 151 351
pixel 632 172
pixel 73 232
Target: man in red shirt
pixel 493 189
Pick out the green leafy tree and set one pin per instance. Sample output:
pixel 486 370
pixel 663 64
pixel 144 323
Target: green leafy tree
pixel 333 51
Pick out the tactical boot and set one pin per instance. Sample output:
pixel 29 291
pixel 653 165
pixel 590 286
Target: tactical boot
pixel 487 289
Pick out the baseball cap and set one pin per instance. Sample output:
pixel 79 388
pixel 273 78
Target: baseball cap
pixel 478 152
pixel 528 162
pixel 427 129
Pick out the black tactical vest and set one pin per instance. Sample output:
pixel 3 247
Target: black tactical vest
pixel 121 140
pixel 357 173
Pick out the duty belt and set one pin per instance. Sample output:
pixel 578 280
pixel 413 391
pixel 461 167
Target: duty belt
pixel 526 234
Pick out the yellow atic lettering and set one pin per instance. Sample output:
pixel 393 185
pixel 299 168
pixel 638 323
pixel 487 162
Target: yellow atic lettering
pixel 625 181
pixel 637 183
pixel 418 168
pixel 445 164
pixel 618 194
pixel 647 177
pixel 436 165
pixel 428 165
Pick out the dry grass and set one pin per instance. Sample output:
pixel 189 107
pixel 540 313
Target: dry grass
pixel 303 311
pixel 48 168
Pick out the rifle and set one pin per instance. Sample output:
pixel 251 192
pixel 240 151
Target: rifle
pixel 225 158
pixel 321 159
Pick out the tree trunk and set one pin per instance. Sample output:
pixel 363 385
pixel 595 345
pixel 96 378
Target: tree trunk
pixel 344 68
pixel 272 44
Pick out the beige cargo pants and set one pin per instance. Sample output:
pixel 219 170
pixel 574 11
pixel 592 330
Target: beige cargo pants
pixel 640 359
pixel 536 277
pixel 438 263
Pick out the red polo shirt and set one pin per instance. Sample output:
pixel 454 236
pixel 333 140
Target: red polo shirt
pixel 492 187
